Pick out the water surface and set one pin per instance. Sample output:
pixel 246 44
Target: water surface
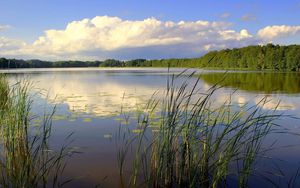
pixel 89 102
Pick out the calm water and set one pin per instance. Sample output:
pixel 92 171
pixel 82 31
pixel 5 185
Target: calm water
pixel 89 102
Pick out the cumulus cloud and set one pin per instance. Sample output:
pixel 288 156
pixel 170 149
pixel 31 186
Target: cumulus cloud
pixel 4 27
pixel 105 37
pixel 12 48
pixel 278 31
pixel 8 45
pixel 112 33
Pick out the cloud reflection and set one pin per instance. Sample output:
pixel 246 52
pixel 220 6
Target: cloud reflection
pixel 104 94
pixel 99 100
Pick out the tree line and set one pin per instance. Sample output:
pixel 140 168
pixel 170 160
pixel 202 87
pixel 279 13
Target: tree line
pixel 19 63
pixel 274 57
pixel 270 56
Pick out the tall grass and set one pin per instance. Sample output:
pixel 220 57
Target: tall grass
pixel 26 159
pixel 192 141
pixel 4 89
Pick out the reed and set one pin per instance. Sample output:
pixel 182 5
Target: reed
pixel 26 160
pixel 4 89
pixel 195 142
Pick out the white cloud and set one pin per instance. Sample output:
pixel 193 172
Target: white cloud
pixel 4 27
pixel 278 31
pixel 105 37
pixel 111 33
pixel 7 45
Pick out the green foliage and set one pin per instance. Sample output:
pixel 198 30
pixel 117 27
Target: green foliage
pixel 195 144
pixel 255 58
pixel 136 63
pixel 4 92
pixel 16 63
pixel 251 57
pixel 26 160
pixel 111 63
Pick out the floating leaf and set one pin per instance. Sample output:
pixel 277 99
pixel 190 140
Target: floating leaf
pixel 125 122
pixel 87 119
pixel 119 119
pixel 137 130
pixel 108 135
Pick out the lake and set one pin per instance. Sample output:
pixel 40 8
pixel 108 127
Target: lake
pixel 89 102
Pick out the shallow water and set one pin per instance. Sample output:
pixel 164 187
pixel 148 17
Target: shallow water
pixel 89 102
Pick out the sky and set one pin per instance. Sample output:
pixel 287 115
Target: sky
pixel 130 29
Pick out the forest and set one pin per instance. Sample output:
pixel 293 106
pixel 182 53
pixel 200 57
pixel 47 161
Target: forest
pixel 266 57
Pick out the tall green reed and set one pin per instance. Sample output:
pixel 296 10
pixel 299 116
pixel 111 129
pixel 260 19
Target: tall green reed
pixel 195 143
pixel 4 89
pixel 26 160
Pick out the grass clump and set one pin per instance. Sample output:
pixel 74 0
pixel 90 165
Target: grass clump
pixel 196 142
pixel 4 90
pixel 26 160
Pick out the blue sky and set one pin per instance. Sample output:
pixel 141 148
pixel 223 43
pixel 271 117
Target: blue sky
pixel 23 22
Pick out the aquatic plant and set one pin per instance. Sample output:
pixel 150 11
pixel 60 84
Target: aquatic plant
pixel 4 89
pixel 196 142
pixel 26 160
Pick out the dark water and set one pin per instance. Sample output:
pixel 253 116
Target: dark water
pixel 89 102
